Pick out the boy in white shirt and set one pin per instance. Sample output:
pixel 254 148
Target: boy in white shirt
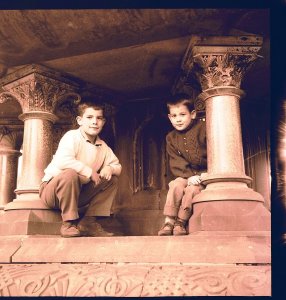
pixel 82 172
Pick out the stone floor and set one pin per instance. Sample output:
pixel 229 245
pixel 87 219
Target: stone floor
pixel 203 263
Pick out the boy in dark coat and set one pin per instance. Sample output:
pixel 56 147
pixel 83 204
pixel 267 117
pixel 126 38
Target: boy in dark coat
pixel 186 146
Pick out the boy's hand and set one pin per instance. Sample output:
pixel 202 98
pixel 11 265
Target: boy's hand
pixel 95 177
pixel 106 173
pixel 194 180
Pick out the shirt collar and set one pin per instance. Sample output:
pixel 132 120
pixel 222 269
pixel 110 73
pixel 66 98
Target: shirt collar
pixel 193 122
pixel 98 141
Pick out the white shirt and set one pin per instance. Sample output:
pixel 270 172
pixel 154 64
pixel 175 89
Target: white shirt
pixel 76 152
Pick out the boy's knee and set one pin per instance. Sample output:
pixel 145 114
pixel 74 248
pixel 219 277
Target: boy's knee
pixel 178 182
pixel 194 189
pixel 69 174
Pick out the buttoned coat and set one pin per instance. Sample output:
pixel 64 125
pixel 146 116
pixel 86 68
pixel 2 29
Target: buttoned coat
pixel 187 150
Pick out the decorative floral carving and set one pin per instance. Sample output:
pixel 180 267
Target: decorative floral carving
pixel 207 281
pixel 38 93
pixel 133 280
pixel 8 137
pixel 4 97
pixel 222 69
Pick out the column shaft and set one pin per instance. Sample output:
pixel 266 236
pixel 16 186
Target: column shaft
pixel 224 141
pixel 8 178
pixel 9 154
pixel 37 153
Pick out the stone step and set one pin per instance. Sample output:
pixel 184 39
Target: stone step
pixel 201 247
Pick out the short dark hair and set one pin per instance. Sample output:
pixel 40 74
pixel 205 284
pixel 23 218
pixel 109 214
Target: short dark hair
pixel 183 99
pixel 86 104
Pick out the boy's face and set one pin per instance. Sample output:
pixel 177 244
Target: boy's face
pixel 92 122
pixel 180 116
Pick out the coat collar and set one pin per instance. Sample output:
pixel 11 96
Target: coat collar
pixel 98 141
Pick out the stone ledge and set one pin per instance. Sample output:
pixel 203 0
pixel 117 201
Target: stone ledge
pixel 134 280
pixel 201 247
pixel 8 246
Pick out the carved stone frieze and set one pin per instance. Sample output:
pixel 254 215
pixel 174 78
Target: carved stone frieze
pixel 36 92
pixel 135 280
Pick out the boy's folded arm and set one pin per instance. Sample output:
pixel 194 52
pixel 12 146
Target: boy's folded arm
pixel 112 161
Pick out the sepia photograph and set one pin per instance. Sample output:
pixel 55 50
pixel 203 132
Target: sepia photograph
pixel 136 153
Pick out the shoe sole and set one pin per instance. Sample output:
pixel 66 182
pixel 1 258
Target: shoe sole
pixel 71 236
pixel 165 234
pixel 180 233
pixel 91 234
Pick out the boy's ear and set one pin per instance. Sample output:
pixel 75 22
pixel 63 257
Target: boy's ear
pixel 79 121
pixel 169 116
pixel 193 114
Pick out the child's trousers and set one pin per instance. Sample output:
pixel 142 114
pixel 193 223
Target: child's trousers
pixel 67 193
pixel 180 197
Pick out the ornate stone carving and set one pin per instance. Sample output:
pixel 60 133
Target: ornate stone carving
pixel 222 69
pixel 9 138
pixel 216 61
pixel 5 96
pixel 38 93
pixel 207 281
pixel 135 280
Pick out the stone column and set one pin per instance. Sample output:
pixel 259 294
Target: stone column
pixel 37 152
pixel 227 203
pixel 8 164
pixel 39 91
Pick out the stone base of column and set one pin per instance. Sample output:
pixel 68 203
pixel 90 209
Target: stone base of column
pixel 28 204
pixel 30 222
pixel 34 218
pixel 229 206
pixel 230 216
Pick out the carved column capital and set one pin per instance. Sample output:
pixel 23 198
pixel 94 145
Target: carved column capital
pixel 221 61
pixel 37 89
pixel 9 138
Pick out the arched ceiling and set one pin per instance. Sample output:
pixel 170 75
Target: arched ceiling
pixel 135 53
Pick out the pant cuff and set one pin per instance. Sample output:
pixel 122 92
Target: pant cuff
pixel 171 211
pixel 70 216
pixel 184 213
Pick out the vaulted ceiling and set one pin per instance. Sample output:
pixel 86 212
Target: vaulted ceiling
pixel 135 53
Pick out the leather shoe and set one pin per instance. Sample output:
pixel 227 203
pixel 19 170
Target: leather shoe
pixel 180 228
pixel 89 227
pixel 167 229
pixel 69 229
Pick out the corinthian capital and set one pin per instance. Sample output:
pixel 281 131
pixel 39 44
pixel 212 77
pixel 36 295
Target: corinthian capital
pixel 221 61
pixel 37 89
pixel 10 138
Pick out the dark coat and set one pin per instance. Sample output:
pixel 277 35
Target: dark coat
pixel 187 150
